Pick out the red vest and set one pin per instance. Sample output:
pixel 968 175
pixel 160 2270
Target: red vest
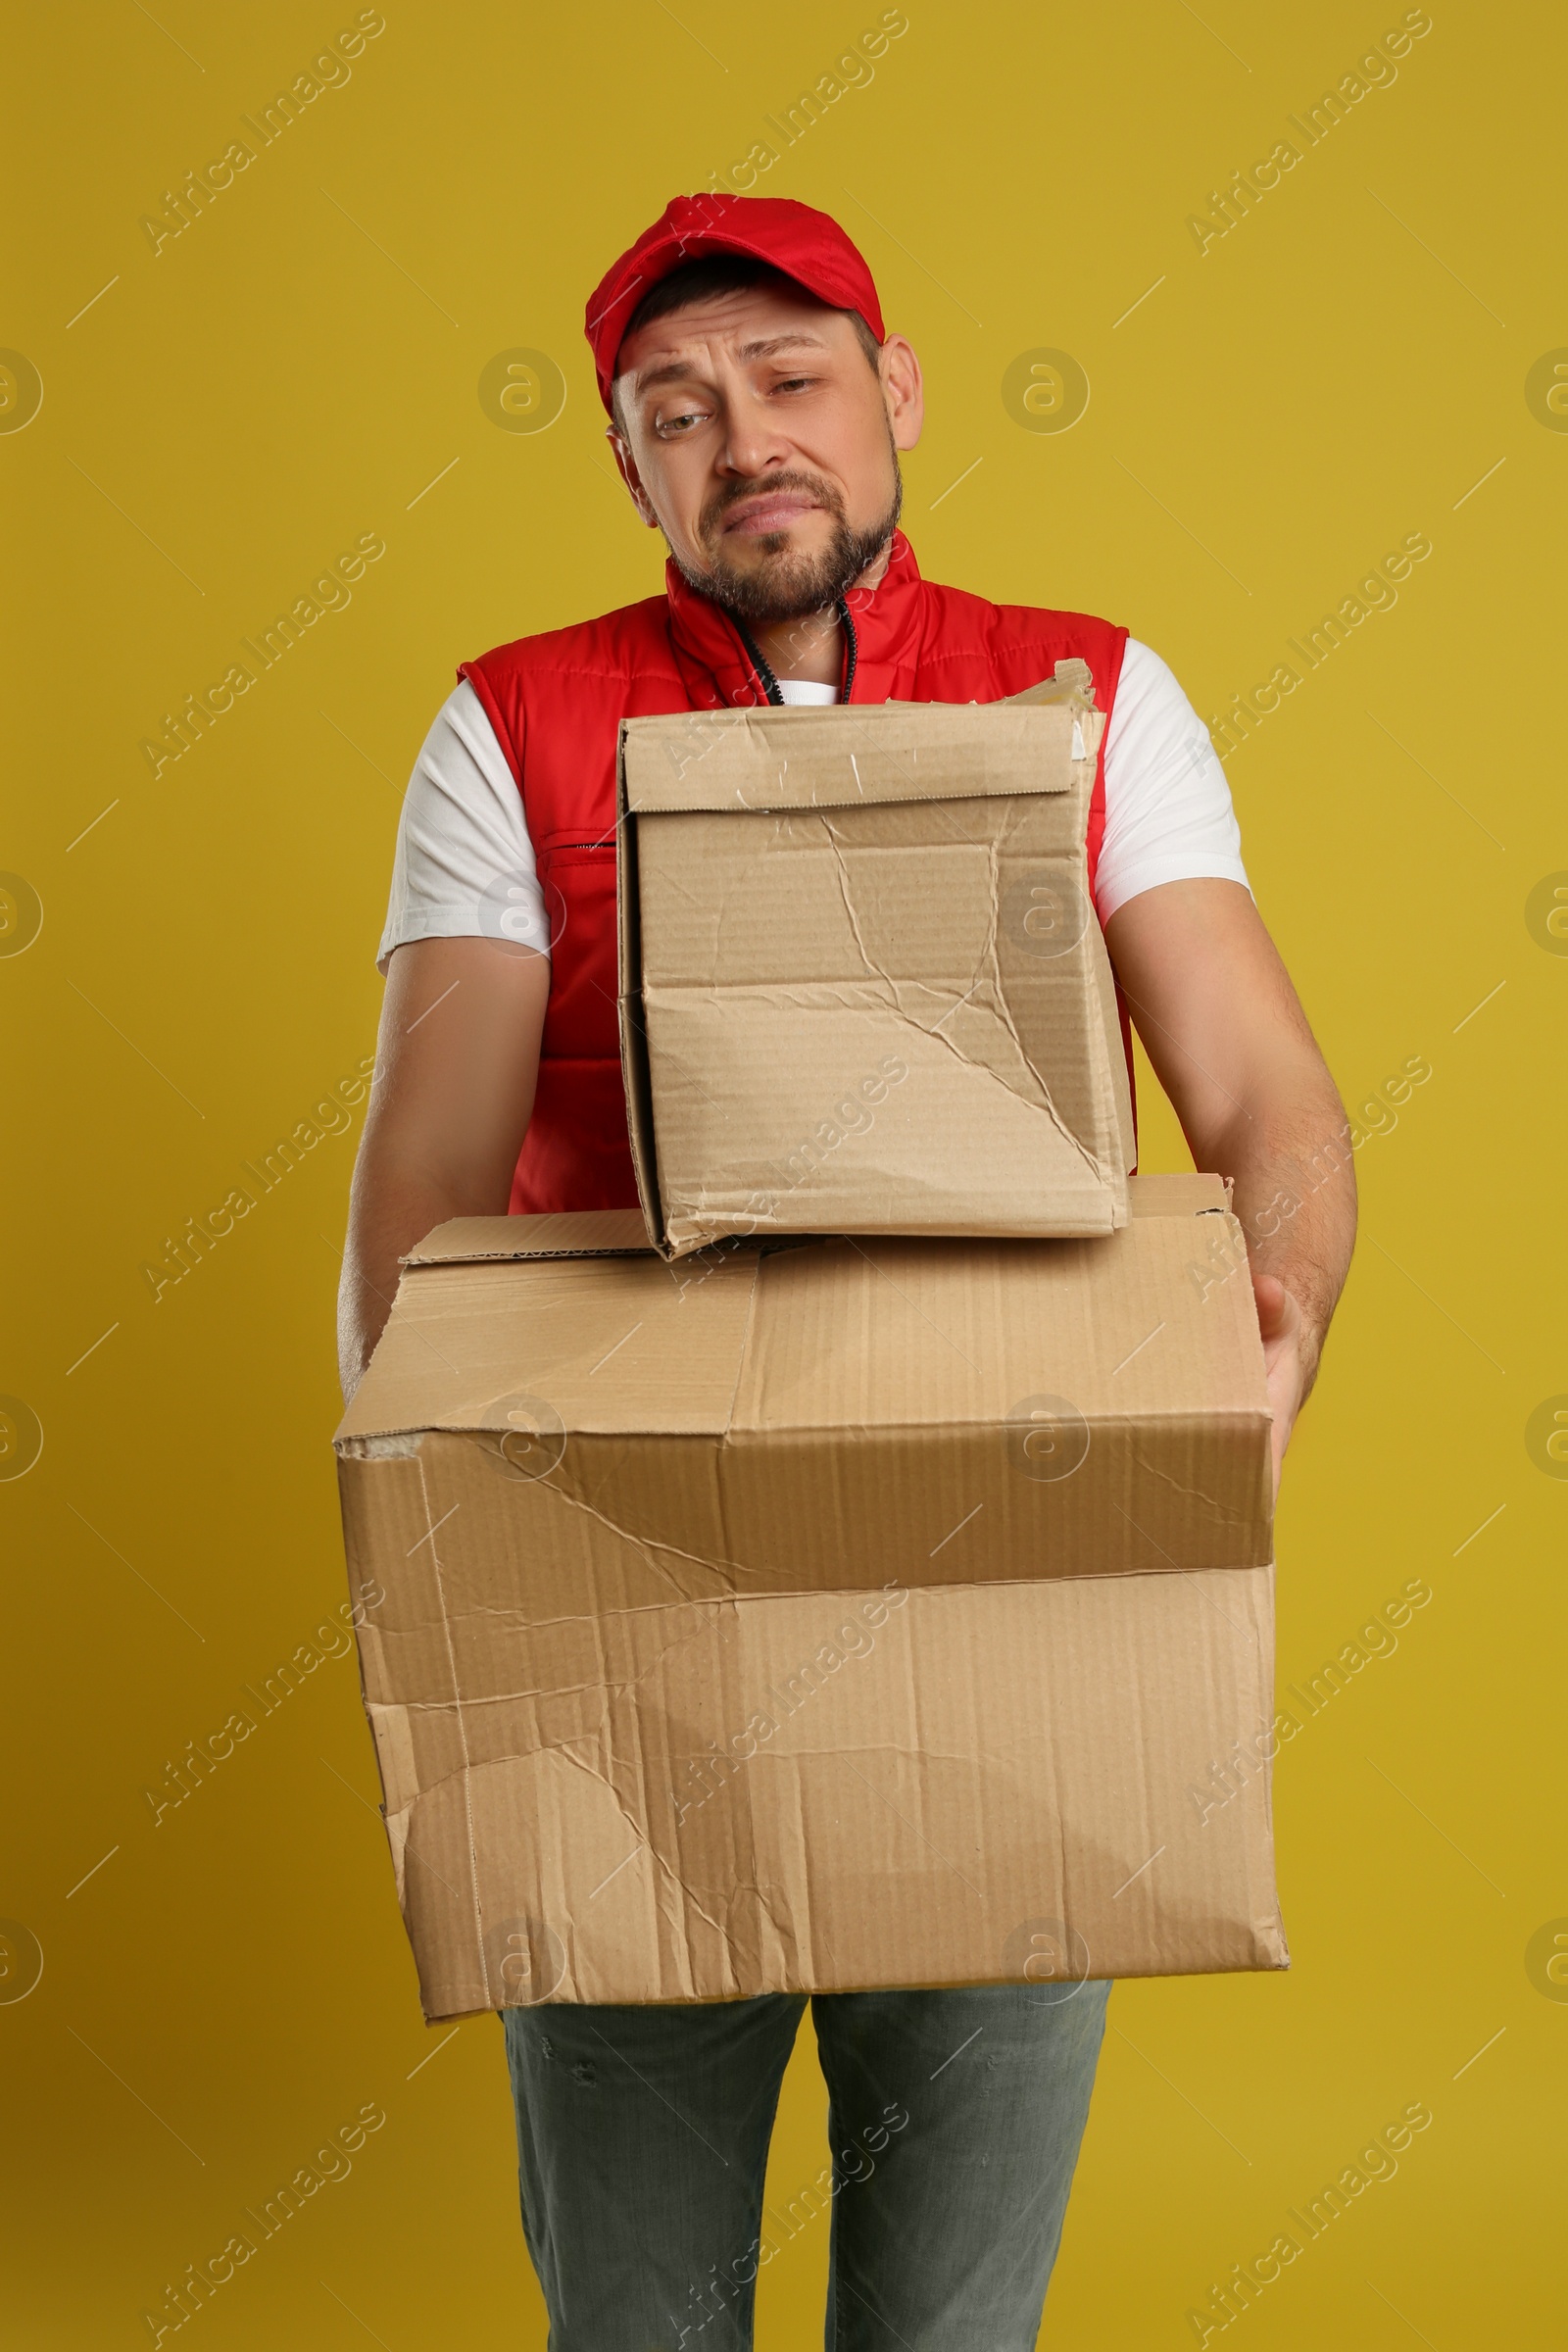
pixel 556 703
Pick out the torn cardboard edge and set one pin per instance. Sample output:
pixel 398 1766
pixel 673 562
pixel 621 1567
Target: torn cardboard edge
pixel 1073 684
pixel 623 1232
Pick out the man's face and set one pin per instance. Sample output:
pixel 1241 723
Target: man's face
pixel 761 442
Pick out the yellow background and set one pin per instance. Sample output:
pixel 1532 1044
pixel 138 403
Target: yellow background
pixel 230 1986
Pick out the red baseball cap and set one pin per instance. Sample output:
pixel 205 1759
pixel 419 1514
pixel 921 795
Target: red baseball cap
pixel 806 245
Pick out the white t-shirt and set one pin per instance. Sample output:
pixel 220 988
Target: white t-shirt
pixel 464 865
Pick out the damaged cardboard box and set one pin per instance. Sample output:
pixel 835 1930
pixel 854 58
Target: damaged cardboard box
pixel 818 1616
pixel 864 989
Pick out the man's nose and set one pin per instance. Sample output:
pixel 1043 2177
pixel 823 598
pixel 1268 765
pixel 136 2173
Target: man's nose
pixel 754 443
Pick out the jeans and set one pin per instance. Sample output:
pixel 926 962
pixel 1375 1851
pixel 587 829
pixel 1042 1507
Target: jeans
pixel 954 2125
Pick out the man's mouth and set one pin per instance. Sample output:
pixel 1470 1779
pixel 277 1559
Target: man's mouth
pixel 774 511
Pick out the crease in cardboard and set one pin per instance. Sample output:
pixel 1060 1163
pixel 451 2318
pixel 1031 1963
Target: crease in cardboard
pixel 764 1601
pixel 853 921
pixel 397 1832
pixel 462 1729
pixel 646 1550
pixel 606 1685
pixel 1004 1014
pixel 922 1756
pixel 1152 1469
pixel 988 1070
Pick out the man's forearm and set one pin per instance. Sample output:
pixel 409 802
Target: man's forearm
pixel 390 1213
pixel 1289 1160
pixel 456 1062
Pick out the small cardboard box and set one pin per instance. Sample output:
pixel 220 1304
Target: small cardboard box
pixel 819 1616
pixel 862 985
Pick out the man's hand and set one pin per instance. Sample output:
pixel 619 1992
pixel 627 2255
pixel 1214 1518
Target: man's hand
pixel 456 1064
pixel 1230 1043
pixel 1279 1320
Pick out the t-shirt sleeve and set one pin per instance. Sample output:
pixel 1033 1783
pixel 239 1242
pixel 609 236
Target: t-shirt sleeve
pixel 1168 814
pixel 464 866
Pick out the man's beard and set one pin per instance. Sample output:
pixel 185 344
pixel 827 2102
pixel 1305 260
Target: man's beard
pixel 789 584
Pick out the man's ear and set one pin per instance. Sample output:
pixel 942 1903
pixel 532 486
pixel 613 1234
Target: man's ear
pixel 903 390
pixel 630 476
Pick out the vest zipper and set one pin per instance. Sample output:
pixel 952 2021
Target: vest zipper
pixel 852 653
pixel 764 676
pixel 769 683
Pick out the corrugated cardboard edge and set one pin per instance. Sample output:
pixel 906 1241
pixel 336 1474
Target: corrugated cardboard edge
pixel 1271 1931
pixel 556 1233
pixel 1110 1017
pixel 621 1232
pixel 1074 684
pixel 1186 1193
pixel 635 1073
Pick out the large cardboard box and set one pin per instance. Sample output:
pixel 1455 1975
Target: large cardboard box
pixel 864 989
pixel 818 1616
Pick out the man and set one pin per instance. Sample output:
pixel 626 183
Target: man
pixel 758 410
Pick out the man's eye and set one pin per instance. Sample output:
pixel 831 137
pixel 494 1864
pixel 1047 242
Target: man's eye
pixel 795 384
pixel 671 429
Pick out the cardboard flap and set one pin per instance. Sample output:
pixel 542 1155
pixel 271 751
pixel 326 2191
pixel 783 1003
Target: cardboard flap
pixel 529 1343
pixel 1189 1195
pixel 1072 684
pixel 571 1233
pixel 852 756
pixel 1138 1331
